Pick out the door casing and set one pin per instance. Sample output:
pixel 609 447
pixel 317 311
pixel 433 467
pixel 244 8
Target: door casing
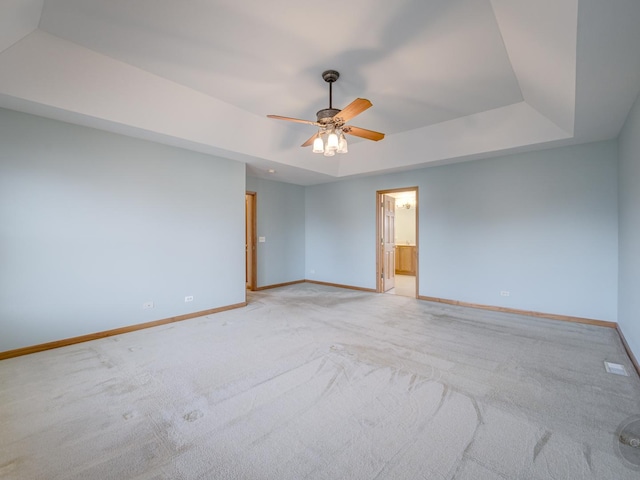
pixel 250 240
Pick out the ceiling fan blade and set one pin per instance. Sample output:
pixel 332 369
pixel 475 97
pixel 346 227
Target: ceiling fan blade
pixel 363 132
pixel 289 119
pixel 310 141
pixel 356 107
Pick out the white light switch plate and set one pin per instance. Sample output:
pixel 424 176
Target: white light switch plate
pixel 262 239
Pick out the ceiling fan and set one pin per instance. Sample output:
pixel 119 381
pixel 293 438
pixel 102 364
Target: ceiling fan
pixel 330 138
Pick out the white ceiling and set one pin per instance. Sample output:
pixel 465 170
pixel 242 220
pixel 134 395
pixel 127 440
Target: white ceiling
pixel 450 80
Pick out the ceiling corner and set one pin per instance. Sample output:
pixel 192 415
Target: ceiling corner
pixel 18 18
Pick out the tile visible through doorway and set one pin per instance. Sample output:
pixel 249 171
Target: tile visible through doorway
pixel 405 285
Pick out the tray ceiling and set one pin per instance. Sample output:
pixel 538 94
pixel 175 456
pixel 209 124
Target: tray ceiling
pixel 450 80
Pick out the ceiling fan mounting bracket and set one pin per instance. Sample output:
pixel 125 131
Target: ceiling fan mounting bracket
pixel 330 76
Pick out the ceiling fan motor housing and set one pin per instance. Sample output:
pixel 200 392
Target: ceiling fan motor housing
pixel 325 116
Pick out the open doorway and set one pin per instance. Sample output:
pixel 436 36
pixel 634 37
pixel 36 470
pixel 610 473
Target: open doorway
pixel 250 240
pixel 397 240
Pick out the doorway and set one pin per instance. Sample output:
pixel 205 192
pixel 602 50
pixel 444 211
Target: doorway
pixel 250 240
pixel 397 240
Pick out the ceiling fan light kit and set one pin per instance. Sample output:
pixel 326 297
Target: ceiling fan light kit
pixel 330 138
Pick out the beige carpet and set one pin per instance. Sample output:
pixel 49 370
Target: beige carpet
pixel 322 383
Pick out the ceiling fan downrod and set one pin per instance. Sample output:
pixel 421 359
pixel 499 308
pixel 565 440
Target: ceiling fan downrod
pixel 326 114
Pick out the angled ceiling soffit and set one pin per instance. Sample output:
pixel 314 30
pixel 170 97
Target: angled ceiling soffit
pixel 541 41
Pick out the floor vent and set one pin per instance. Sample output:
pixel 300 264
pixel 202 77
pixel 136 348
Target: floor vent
pixel 615 368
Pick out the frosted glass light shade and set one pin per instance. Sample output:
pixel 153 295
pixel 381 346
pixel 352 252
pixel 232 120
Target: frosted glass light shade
pixel 318 146
pixel 332 141
pixel 342 144
pixel 329 153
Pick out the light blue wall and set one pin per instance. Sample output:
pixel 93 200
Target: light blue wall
pixel 540 225
pixel 280 219
pixel 340 231
pixel 92 225
pixel 629 199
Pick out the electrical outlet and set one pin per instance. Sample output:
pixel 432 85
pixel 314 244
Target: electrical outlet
pixel 504 293
pixel 189 298
pixel 312 271
pixel 146 305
